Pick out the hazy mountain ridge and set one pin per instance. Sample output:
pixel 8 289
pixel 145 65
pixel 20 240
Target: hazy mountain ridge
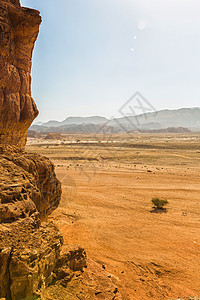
pixel 184 117
pixel 76 121
pixel 180 117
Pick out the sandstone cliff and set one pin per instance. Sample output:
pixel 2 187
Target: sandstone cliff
pixel 29 189
pixel 19 28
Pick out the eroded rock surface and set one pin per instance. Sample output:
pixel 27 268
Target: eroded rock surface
pixel 27 184
pixel 28 255
pixel 19 29
pixel 29 249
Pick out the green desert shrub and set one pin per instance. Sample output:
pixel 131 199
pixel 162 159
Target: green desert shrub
pixel 159 203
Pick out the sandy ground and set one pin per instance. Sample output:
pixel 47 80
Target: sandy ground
pixel 106 207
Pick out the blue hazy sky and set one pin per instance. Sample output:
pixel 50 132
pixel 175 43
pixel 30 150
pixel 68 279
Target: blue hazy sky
pixel 92 55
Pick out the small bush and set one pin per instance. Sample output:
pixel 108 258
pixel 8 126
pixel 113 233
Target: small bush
pixel 159 203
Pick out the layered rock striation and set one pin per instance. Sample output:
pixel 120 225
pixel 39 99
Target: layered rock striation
pixel 19 29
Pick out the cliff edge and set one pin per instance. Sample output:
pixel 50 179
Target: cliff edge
pixel 19 28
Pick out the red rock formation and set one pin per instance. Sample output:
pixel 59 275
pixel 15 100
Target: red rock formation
pixel 19 29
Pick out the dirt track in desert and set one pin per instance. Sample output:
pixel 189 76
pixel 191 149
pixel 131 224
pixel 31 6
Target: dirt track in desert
pixel 106 207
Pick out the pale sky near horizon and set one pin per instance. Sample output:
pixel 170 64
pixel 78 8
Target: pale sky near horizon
pixel 93 55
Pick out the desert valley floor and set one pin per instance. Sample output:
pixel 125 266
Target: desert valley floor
pixel 108 183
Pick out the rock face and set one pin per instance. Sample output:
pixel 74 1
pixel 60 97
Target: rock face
pixel 28 184
pixel 29 249
pixel 19 28
pixel 29 189
pixel 28 256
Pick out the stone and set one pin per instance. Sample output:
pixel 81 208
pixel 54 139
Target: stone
pixel 72 256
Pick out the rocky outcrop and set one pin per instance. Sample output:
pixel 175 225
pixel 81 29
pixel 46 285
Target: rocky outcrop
pixel 29 249
pixel 29 189
pixel 19 28
pixel 54 136
pixel 28 255
pixel 28 184
pixel 93 283
pixel 33 134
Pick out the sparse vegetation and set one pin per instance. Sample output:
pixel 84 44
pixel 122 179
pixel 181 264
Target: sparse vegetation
pixel 159 203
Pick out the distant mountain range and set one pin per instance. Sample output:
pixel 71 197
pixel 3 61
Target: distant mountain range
pixel 76 121
pixel 184 117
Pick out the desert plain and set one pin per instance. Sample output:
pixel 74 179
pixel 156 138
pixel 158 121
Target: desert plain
pixel 108 182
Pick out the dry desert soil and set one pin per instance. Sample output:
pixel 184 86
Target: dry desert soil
pixel 108 183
